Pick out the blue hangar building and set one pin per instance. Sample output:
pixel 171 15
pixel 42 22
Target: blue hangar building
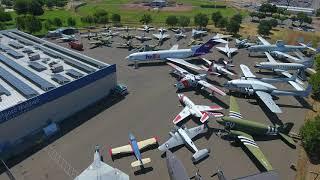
pixel 42 83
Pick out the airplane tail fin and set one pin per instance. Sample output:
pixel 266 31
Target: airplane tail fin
pixel 205 48
pixel 204 117
pixel 308 63
pixel 140 163
pixel 306 92
pixel 286 128
pixel 284 131
pixel 200 155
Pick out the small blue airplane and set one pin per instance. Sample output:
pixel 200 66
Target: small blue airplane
pixel 135 147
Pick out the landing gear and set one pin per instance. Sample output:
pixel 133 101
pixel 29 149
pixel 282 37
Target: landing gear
pixel 136 65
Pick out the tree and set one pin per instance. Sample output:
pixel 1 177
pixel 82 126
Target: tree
pixel 201 20
pixel 222 23
pixel 7 2
pixel 116 18
pixel 172 20
pixel 216 17
pixel 264 27
pixel 71 21
pixel 315 82
pixel 5 16
pixel 273 22
pixel 146 19
pixel 261 16
pixel 303 18
pixel 21 6
pixel 310 134
pixel 50 4
pixel 29 23
pixel 57 22
pixel 183 21
pixel 233 26
pixel 237 18
pixel 2 26
pixel 268 8
pixel 318 12
pixel 101 16
pixel 35 8
pixel 283 18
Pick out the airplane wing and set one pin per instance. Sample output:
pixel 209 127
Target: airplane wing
pixel 211 87
pixel 264 42
pixel 164 36
pixel 234 111
pixel 287 56
pixel 174 47
pixel 185 63
pixel 222 49
pixel 193 132
pixel 148 142
pixel 254 149
pixel 221 41
pixel 270 58
pixel 174 141
pixel 182 115
pixel 226 71
pixel 209 108
pixel 268 101
pixel 246 71
pixel 158 36
pixel 121 150
pixel 182 72
pixel 232 50
pixel 287 74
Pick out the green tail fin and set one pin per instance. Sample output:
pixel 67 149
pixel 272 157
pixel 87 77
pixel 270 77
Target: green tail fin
pixel 287 139
pixel 286 128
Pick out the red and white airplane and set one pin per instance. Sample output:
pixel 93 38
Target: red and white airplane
pixel 199 111
pixel 190 80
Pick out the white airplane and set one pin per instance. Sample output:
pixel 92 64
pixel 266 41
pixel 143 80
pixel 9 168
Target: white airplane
pixel 146 28
pixel 101 170
pixel 252 85
pixel 197 33
pixel 279 49
pixel 143 38
pixel 199 111
pixel 109 33
pixel 126 28
pixel 227 50
pixel 174 54
pixel 162 35
pixel 217 69
pixel 180 35
pixel 189 80
pixel 283 68
pixel 222 36
pixel 67 38
pixel 182 135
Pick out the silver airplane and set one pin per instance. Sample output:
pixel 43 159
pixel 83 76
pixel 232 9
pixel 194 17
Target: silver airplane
pixel 227 50
pixel 180 35
pixel 279 49
pixel 67 38
pixel 217 69
pixel 198 33
pixel 146 28
pixel 143 38
pixel 101 170
pixel 183 135
pixel 283 68
pixel 161 36
pixel 260 87
pixel 244 43
pixel 176 169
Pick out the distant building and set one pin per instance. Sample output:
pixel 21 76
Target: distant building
pixel 158 3
pixel 295 10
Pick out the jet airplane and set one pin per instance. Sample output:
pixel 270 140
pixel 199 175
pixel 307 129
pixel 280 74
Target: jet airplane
pixel 68 38
pixel 162 36
pixel 198 33
pixel 146 28
pixel 105 41
pixel 100 170
pixel 189 80
pixel 275 66
pixel 227 50
pixel 243 130
pixel 217 69
pixel 279 49
pixel 174 54
pixel 127 36
pixel 135 147
pixel 127 45
pixel 126 28
pixel 183 135
pixel 252 85
pixel 180 35
pixel 199 111
pixel 244 43
pixel 143 38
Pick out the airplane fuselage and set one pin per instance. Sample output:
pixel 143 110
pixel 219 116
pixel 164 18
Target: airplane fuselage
pixel 280 66
pixel 160 55
pixel 245 86
pixel 135 147
pixel 247 126
pixel 191 106
pixel 187 139
pixel 271 48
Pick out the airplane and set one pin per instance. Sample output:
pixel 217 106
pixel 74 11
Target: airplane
pixel 217 69
pixel 89 35
pixel 135 147
pixel 279 49
pixel 162 36
pixel 143 38
pixel 270 175
pixel 109 33
pixel 244 43
pixel 183 135
pixel 243 131
pixel 275 66
pixel 228 51
pixel 127 45
pixel 100 170
pixel 180 35
pixel 176 169
pixel 68 38
pixel 105 41
pixel 146 47
pixel 260 87
pixel 146 28
pixel 200 111
pixel 198 33
pixel 127 36
pixel 195 42
pixel 126 28
pixel 174 54
pixel 189 80
pixel 222 36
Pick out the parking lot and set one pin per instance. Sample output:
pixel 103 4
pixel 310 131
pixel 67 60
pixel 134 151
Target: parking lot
pixel 149 110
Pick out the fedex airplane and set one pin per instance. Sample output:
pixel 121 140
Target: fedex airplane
pixel 174 54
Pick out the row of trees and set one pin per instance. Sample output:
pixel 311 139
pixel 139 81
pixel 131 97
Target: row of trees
pixel 265 26
pixel 101 16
